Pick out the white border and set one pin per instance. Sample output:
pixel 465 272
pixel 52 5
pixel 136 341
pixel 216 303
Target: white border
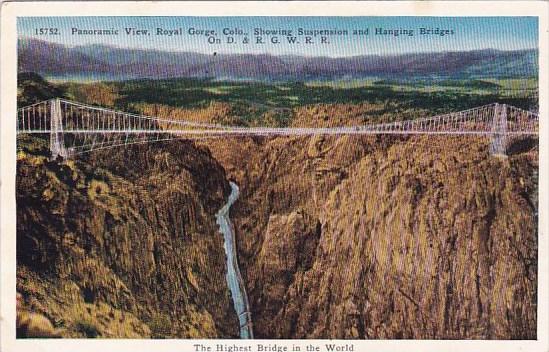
pixel 9 12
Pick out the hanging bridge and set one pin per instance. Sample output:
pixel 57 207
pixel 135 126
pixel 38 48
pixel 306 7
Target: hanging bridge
pixel 76 128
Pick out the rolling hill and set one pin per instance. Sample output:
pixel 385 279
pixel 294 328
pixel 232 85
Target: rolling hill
pixel 58 61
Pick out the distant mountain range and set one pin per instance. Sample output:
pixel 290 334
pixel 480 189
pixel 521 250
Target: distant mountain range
pixel 56 60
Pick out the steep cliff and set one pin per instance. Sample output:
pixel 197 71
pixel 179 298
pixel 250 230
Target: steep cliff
pixel 364 237
pixel 123 243
pixel 337 237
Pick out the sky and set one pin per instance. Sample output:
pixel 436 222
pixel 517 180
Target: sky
pixel 470 33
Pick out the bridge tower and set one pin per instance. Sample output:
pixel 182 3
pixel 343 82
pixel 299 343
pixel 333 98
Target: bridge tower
pixel 57 142
pixel 498 145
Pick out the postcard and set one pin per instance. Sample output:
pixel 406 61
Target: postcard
pixel 274 176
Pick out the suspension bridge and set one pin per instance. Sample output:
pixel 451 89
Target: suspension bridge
pixel 75 128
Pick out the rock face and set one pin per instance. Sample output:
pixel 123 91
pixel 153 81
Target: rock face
pixel 348 237
pixel 386 238
pixel 123 243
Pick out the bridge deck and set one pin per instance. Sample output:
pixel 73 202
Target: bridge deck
pixel 84 125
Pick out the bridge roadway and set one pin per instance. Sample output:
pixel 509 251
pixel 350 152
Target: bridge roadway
pixel 278 131
pixel 84 125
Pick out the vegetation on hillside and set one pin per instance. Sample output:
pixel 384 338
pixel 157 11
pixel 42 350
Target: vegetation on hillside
pixel 280 104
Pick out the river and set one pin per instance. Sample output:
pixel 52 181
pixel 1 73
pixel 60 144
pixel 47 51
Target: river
pixel 234 279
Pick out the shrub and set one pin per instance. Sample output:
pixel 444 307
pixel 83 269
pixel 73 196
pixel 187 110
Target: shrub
pixel 88 328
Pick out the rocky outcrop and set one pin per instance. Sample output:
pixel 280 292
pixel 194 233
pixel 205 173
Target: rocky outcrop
pixel 123 243
pixel 362 237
